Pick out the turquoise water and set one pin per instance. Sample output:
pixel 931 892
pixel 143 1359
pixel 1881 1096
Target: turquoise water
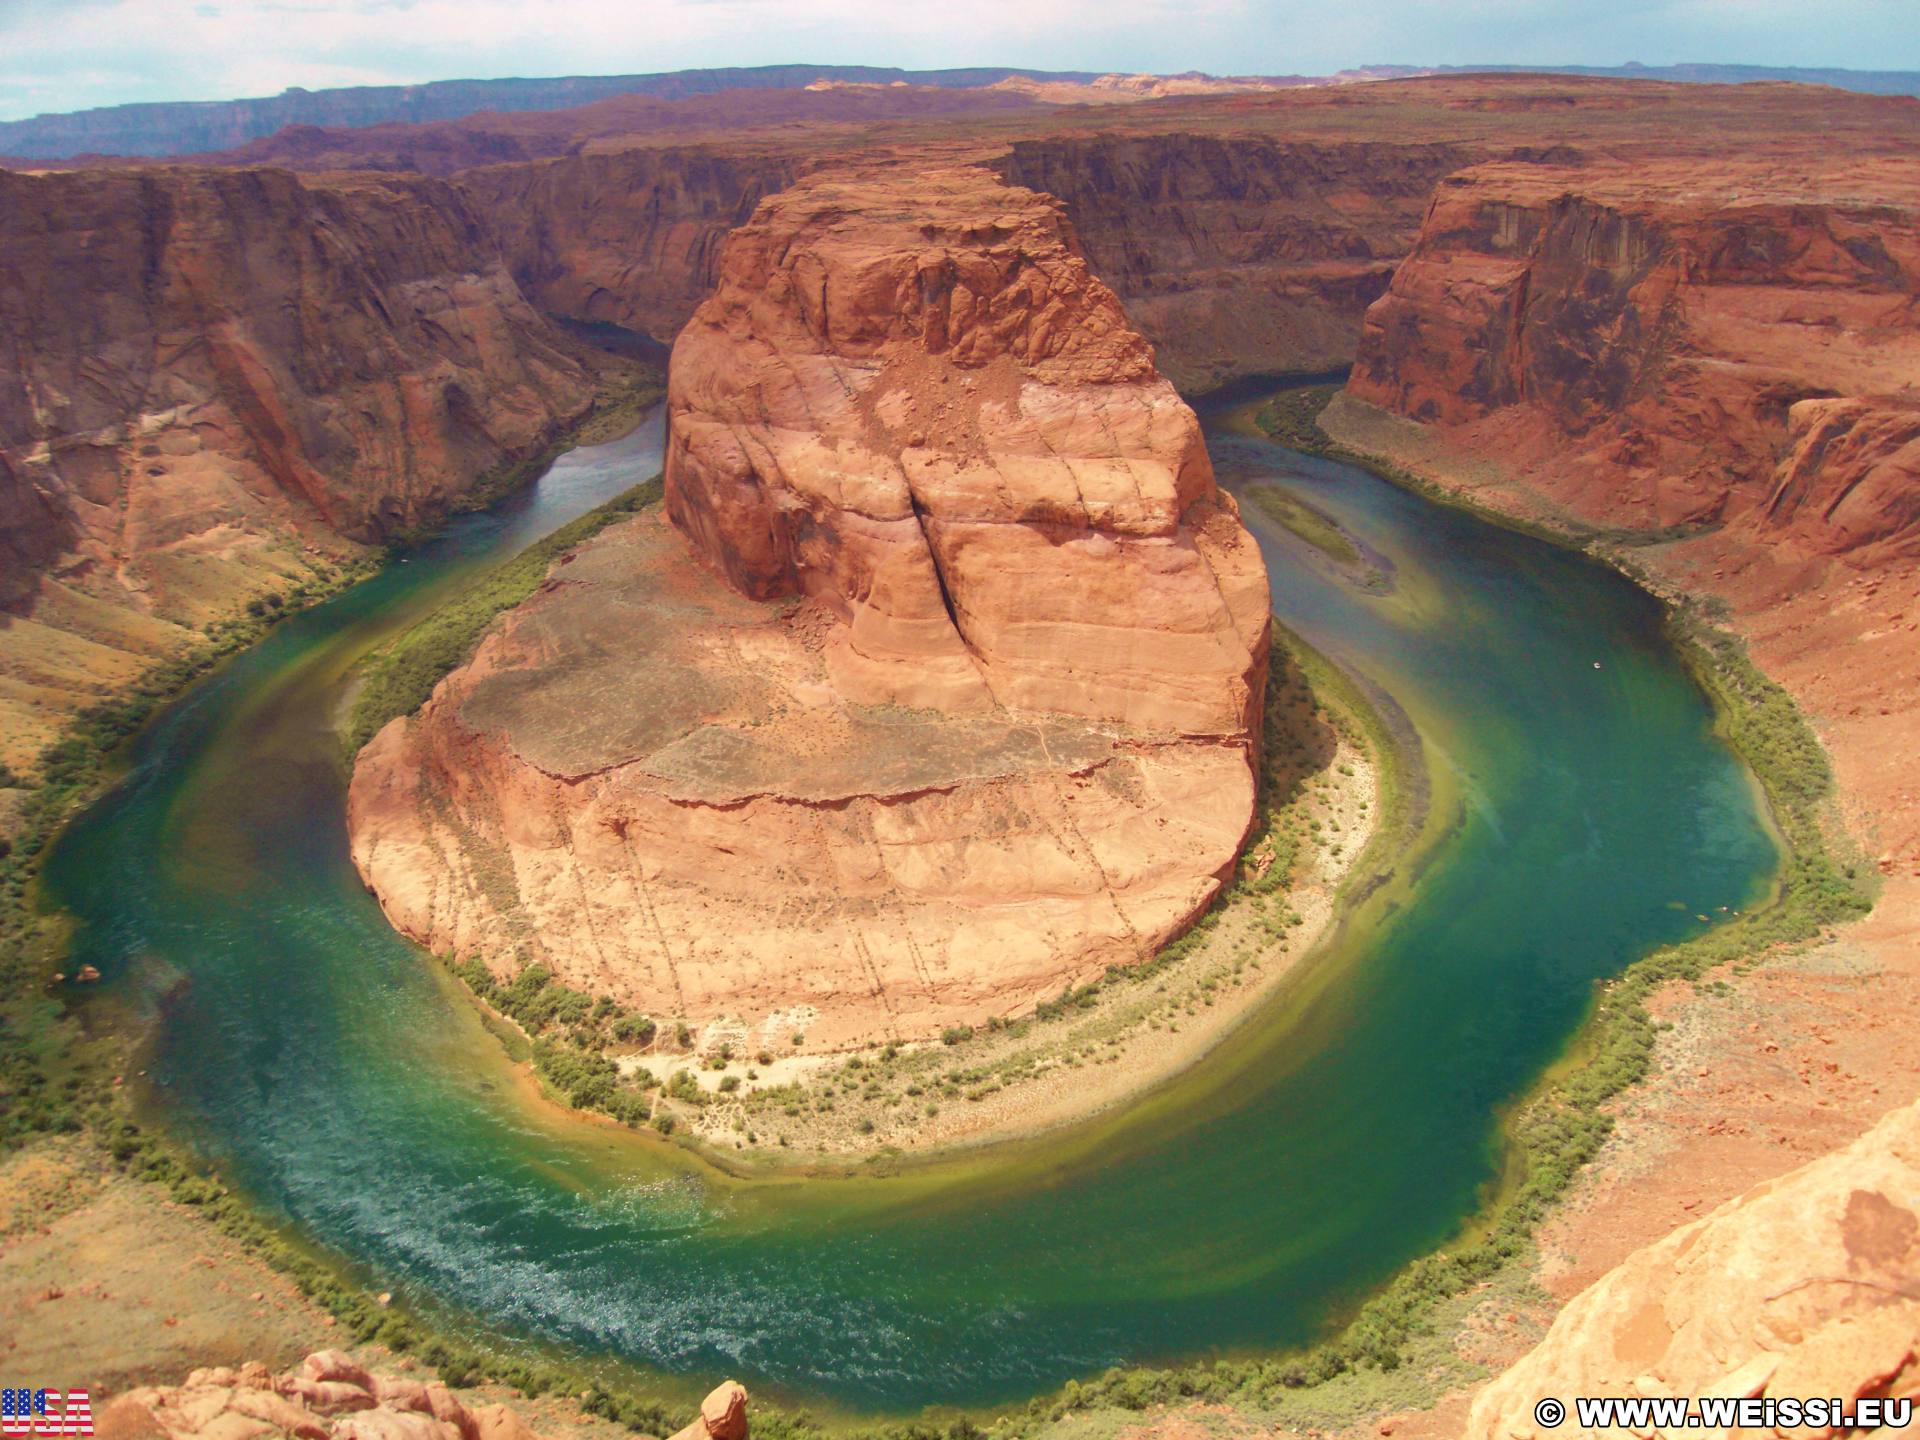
pixel 1588 815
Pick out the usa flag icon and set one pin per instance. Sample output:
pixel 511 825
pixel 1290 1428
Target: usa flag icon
pixel 45 1412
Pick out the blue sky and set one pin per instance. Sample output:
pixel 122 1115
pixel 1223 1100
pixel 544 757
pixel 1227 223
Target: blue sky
pixel 69 54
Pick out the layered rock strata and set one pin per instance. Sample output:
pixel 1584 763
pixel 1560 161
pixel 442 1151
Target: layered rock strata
pixel 1656 347
pixel 209 374
pixel 627 236
pixel 938 693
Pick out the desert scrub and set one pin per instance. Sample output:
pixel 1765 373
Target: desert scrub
pixel 571 1030
pixel 397 678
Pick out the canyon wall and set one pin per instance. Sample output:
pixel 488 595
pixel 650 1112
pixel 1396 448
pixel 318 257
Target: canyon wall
pixel 1241 254
pixel 1711 358
pixel 210 376
pixel 1734 344
pixel 939 693
pixel 628 237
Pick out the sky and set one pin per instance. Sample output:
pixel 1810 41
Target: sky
pixel 72 54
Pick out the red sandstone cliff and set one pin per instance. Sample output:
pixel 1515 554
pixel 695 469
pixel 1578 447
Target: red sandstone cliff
pixel 939 422
pixel 1735 343
pixel 206 372
pixel 944 698
pixel 1241 254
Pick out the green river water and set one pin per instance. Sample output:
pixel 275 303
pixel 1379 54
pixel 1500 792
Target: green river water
pixel 1588 814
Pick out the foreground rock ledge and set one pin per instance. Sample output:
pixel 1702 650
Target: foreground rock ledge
pixel 331 1396
pixel 938 694
pixel 1806 1286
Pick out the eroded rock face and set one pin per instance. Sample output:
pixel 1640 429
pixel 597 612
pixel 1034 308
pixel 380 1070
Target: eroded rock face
pixel 940 424
pixel 208 377
pixel 1663 345
pixel 1807 1286
pixel 937 695
pixel 1241 254
pixel 331 1396
pixel 192 349
pixel 627 237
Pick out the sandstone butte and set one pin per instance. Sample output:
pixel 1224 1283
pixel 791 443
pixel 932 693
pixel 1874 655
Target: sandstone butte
pixel 937 694
pixel 331 1396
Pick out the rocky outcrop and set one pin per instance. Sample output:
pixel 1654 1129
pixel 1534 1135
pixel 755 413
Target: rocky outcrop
pixel 940 696
pixel 1807 1286
pixel 1661 346
pixel 1241 254
pixel 209 374
pixel 331 1396
pixel 943 426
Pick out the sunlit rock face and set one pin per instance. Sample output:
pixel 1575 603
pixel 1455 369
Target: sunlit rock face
pixel 1726 341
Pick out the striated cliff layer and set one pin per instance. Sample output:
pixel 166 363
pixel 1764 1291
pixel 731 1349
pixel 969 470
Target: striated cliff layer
pixel 1241 254
pixel 938 694
pixel 625 236
pixel 212 374
pixel 1734 343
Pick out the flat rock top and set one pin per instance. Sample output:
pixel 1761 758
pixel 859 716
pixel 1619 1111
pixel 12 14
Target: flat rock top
pixel 634 654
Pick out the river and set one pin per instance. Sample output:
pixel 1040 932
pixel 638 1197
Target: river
pixel 1589 813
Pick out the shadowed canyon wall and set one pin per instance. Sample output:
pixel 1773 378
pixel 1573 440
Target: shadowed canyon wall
pixel 212 374
pixel 1240 255
pixel 627 237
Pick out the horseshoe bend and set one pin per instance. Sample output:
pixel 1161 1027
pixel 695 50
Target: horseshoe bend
pixel 593 700
pixel 934 690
